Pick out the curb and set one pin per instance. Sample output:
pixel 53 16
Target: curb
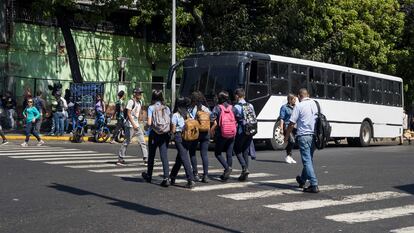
pixel 53 138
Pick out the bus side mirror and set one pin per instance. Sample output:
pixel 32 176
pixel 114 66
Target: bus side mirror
pixel 171 72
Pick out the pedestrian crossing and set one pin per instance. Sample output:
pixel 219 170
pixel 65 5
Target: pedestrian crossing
pixel 263 188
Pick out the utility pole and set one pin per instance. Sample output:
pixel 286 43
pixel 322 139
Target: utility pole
pixel 173 41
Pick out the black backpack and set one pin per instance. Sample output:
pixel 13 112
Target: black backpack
pixel 249 121
pixel 322 129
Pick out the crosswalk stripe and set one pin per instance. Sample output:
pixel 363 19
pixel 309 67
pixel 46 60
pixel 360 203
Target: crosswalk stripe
pixel 37 150
pixel 352 199
pixel 124 169
pixel 132 175
pixel 403 230
pixel 48 152
pixel 373 215
pixel 103 165
pixel 89 161
pixel 65 156
pixel 75 158
pixel 242 185
pixel 278 192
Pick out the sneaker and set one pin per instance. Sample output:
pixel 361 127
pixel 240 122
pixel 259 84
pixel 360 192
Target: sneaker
pixel 5 142
pixel 226 174
pixel 288 159
pixel 300 182
pixel 243 176
pixel 121 162
pixel 112 142
pixel 24 144
pixel 165 182
pixel 311 189
pixel 190 184
pixel 204 179
pixel 146 161
pixel 172 180
pixel 196 177
pixel 146 177
pixel 41 142
pixel 292 160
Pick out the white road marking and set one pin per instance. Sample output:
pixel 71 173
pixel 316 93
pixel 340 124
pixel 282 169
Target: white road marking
pixel 403 230
pixel 90 161
pixel 48 152
pixel 65 156
pixel 278 192
pixel 373 215
pixel 40 150
pixel 352 199
pixel 242 184
pixel 102 156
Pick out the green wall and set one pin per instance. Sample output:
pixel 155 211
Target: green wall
pixel 35 60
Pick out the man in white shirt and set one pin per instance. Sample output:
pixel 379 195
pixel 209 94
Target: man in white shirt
pixel 133 128
pixel 304 116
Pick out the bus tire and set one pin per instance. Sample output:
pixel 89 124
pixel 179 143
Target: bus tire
pixel 273 143
pixel 365 134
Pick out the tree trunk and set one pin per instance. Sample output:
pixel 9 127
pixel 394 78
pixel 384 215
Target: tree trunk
pixel 63 23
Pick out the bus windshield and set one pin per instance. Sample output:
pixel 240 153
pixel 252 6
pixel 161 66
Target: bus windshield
pixel 209 80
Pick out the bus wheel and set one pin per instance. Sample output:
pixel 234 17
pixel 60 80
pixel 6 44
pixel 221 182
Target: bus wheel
pixel 365 134
pixel 276 142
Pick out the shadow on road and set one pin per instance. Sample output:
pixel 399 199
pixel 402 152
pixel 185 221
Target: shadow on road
pixel 409 188
pixel 134 206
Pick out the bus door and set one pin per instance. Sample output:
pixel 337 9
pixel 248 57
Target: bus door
pixel 258 84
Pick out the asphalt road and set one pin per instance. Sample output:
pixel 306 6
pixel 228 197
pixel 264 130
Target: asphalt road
pixel 65 187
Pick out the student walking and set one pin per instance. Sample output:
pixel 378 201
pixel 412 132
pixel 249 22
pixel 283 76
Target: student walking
pixel 200 112
pixel 285 113
pixel 304 116
pixel 177 128
pixel 159 122
pixel 246 128
pixel 132 127
pixel 224 131
pixel 31 114
pixel 40 104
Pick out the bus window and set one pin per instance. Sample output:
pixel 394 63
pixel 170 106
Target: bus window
pixel 317 82
pixel 258 85
pixel 388 94
pixel 347 89
pixel 397 93
pixel 258 72
pixel 333 84
pixel 298 78
pixel 278 81
pixel 362 89
pixel 376 90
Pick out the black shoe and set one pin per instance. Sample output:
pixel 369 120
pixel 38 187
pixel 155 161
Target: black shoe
pixel 146 177
pixel 300 182
pixel 196 177
pixel 165 182
pixel 243 176
pixel 311 189
pixel 172 180
pixel 190 184
pixel 204 179
pixel 226 174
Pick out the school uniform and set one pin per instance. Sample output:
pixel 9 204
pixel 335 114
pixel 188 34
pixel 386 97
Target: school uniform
pixel 182 149
pixel 31 113
pixel 203 140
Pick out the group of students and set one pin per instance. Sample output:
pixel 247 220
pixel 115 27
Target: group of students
pixel 191 124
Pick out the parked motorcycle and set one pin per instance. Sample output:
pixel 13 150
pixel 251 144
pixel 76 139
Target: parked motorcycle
pixel 102 132
pixel 80 129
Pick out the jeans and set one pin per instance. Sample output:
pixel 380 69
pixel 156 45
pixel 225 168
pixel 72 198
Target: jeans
pixel 2 134
pixel 30 128
pixel 307 147
pixel 10 115
pixel 291 142
pixel 224 144
pixel 242 149
pixel 74 119
pixel 58 118
pixel 204 140
pixel 182 158
pixel 161 141
pixel 129 134
pixel 39 123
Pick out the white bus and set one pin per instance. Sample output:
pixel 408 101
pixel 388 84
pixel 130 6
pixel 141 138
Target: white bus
pixel 360 105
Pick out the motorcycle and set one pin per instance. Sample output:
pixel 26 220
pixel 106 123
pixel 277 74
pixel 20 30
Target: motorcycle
pixel 80 129
pixel 102 132
pixel 120 135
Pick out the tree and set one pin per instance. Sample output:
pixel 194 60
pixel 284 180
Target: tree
pixel 66 11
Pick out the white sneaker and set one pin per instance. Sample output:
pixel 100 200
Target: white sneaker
pixel 288 159
pixel 292 160
pixel 24 144
pixel 41 142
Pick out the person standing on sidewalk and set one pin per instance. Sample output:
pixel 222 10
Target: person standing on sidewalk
pixel 304 116
pixel 159 121
pixel 59 115
pixel 31 114
pixel 133 128
pixel 2 113
pixel 40 104
pixel 196 112
pixel 10 107
pixel 285 113
pixel 119 115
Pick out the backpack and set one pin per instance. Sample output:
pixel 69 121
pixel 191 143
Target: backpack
pixel 59 106
pixel 203 120
pixel 123 114
pixel 38 104
pixel 227 122
pixel 322 129
pixel 191 129
pixel 249 121
pixel 160 120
